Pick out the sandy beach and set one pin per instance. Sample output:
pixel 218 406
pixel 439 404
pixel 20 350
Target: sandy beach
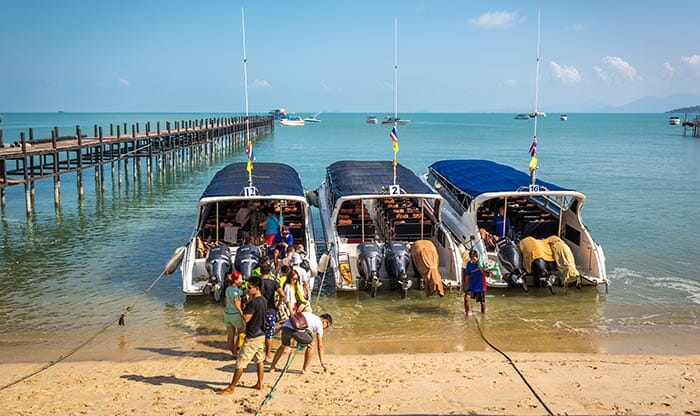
pixel 184 381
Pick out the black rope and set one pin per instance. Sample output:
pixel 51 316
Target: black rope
pixel 537 396
pixel 290 358
pixel 119 320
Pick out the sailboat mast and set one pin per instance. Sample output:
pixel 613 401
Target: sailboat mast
pixel 245 88
pixel 396 68
pixel 533 161
pixel 396 84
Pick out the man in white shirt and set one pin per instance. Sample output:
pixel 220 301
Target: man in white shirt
pixel 316 324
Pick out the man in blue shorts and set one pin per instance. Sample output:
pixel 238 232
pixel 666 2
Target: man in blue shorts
pixel 269 288
pixel 474 283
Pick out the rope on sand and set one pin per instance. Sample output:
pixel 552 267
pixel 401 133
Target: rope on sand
pixel 119 320
pixel 537 396
pixel 268 396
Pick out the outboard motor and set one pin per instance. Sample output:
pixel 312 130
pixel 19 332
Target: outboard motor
pixel 218 265
pixel 509 256
pixel 369 261
pixel 542 271
pixel 397 259
pixel 247 259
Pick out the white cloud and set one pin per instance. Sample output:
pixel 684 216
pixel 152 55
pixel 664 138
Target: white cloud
pixel 600 72
pixel 260 84
pixel 668 70
pixel 692 60
pixel 565 74
pixel 620 70
pixel 495 20
pixel 124 82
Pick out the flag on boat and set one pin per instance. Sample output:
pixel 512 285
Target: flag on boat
pixel 251 156
pixel 533 163
pixel 394 136
pixel 533 147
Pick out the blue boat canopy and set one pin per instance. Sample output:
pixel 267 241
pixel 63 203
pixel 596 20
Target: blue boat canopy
pixel 268 178
pixel 476 177
pixel 349 177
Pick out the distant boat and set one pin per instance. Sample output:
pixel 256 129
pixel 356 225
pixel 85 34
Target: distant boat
pixel 521 117
pixel 292 121
pixel 537 114
pixel 313 119
pixel 395 120
pixel 674 121
pixel 279 113
pixel 563 117
pixel 372 120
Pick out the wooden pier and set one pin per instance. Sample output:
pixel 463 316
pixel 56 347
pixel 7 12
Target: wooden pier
pixel 27 160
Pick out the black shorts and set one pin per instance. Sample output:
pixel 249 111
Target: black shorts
pixel 302 337
pixel 477 296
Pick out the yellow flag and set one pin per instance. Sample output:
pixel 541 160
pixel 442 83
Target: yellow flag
pixel 249 166
pixel 533 163
pixel 395 146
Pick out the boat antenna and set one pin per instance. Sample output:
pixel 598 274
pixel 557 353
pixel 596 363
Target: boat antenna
pixel 533 146
pixel 249 145
pixel 394 135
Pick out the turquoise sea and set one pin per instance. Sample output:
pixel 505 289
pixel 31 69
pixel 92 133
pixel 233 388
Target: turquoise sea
pixel 65 274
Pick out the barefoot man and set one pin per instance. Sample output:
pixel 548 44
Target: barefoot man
pixel 253 348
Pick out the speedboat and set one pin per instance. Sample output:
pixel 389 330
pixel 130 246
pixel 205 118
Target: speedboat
pixel 674 121
pixel 521 117
pixel 292 121
pixel 476 189
pixel 395 120
pixel 537 114
pixel 372 211
pixel 220 244
pixel 312 119
pixel 563 117
pixel 372 120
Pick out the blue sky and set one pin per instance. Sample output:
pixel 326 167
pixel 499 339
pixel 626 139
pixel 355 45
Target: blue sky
pixel 310 56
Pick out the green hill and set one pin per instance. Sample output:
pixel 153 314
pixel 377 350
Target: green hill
pixel 694 110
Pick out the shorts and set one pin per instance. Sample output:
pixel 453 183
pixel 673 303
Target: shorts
pixel 269 238
pixel 270 321
pixel 253 349
pixel 287 337
pixel 233 319
pixel 479 296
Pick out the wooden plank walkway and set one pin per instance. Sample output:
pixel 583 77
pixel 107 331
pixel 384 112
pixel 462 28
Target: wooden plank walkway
pixel 28 160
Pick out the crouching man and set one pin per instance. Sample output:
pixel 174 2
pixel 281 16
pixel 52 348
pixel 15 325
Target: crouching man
pixel 316 324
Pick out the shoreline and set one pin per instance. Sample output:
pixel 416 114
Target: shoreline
pixel 480 382
pixel 124 373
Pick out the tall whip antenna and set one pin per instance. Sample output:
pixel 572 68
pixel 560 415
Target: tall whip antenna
pixel 249 149
pixel 533 146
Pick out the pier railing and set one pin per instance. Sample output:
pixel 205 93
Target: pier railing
pixel 27 160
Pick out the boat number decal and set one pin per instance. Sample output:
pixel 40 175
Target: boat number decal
pixel 249 191
pixel 394 190
pixel 534 188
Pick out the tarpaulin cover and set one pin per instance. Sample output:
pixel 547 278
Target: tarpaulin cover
pixel 475 177
pixel 369 177
pixel 426 261
pixel 268 178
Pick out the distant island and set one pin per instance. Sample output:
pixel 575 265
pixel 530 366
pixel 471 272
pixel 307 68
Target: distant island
pixel 695 110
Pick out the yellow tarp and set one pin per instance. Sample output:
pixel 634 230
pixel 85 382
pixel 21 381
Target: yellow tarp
pixel 426 261
pixel 532 249
pixel 566 263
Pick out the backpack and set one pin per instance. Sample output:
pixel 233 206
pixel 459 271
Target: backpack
pixel 298 321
